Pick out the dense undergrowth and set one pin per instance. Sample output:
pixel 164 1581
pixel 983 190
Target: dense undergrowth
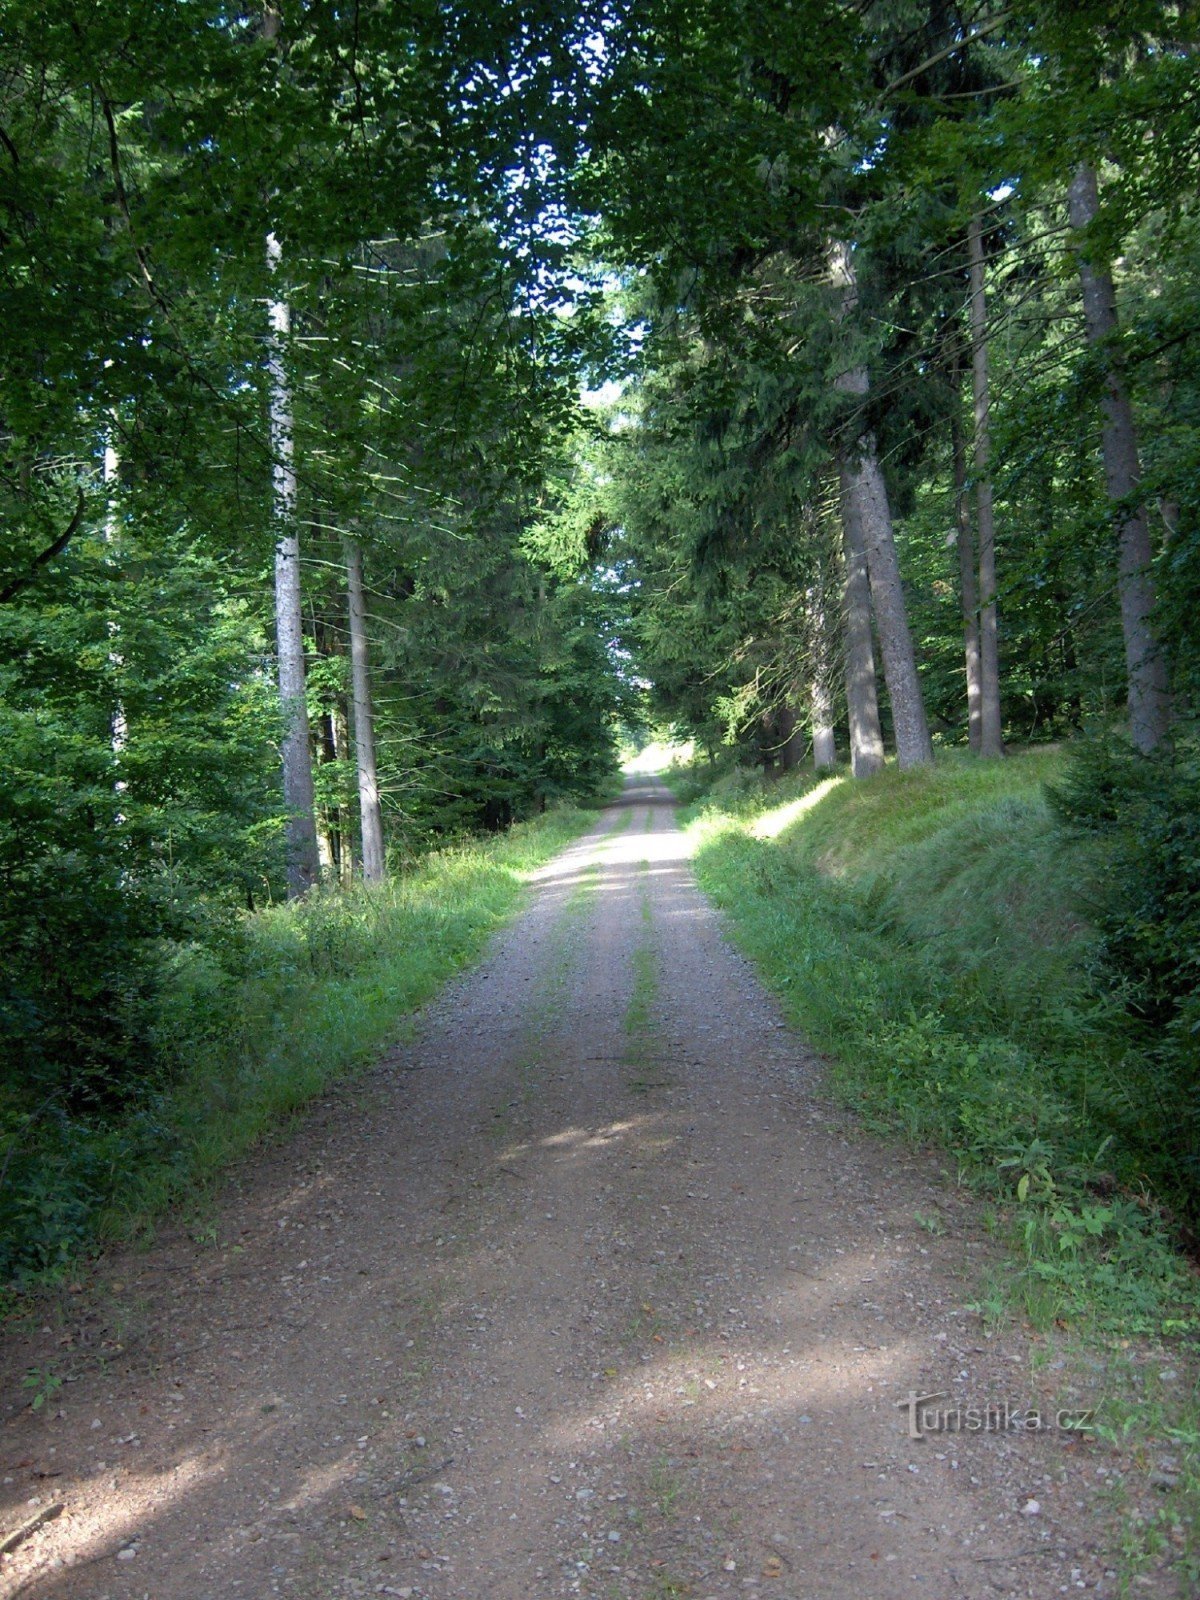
pixel 246 1029
pixel 939 934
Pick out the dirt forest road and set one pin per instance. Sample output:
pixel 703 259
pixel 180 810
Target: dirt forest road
pixel 585 1290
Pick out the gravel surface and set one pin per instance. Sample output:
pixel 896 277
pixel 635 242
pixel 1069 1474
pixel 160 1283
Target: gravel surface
pixel 586 1289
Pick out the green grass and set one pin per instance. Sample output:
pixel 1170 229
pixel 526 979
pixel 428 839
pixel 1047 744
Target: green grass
pixel 928 931
pixel 293 998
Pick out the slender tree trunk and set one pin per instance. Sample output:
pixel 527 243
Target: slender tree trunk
pixel 823 742
pixel 327 816
pixel 374 861
pixel 863 483
pixel 341 735
pixel 303 865
pixel 965 540
pixel 118 724
pixel 1145 664
pixel 862 697
pixel 821 697
pixel 991 741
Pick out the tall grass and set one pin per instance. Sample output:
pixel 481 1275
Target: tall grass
pixel 929 931
pixel 252 1026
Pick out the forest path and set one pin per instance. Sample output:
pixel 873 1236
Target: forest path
pixel 586 1290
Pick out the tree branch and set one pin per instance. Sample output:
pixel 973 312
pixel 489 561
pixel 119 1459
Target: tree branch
pixel 47 555
pixel 951 49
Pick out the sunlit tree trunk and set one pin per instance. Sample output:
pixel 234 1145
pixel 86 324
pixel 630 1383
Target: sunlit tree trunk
pixel 1145 665
pixel 824 747
pixel 991 741
pixel 371 813
pixel 118 724
pixel 328 842
pixel 863 484
pixel 862 695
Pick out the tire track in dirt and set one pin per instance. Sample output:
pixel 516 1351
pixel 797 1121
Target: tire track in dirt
pixel 586 1290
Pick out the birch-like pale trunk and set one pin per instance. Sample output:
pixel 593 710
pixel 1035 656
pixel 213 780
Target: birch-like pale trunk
pixel 964 538
pixel 862 693
pixel 991 739
pixel 1145 664
pixel 824 746
pixel 118 725
pixel 303 865
pixel 864 486
pixel 370 811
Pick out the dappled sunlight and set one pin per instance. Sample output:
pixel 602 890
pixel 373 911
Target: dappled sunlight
pixel 124 1509
pixel 318 1483
pixel 772 823
pixel 573 1139
pixel 600 861
pixel 691 1378
pixel 631 849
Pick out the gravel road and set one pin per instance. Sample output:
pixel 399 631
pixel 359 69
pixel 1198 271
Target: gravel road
pixel 587 1289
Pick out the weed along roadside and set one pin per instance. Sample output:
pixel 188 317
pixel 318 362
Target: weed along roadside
pixel 296 997
pixel 929 933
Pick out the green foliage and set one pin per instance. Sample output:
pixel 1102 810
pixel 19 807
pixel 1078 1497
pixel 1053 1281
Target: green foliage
pixel 1146 813
pixel 246 1028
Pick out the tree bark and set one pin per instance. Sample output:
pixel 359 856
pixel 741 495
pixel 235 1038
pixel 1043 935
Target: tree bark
pixel 991 739
pixel 303 866
pixel 1145 664
pixel 300 828
pixel 862 698
pixel 965 541
pixel 824 746
pixel 370 811
pixel 863 484
pixel 789 727
pixel 117 722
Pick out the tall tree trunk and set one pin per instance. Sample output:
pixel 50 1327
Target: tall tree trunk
pixel 991 741
pixel 821 697
pixel 1145 664
pixel 789 727
pixel 863 483
pixel 118 724
pixel 965 540
pixel 303 866
pixel 374 861
pixel 862 697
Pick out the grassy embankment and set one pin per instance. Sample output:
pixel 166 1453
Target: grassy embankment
pixel 929 932
pixel 252 1028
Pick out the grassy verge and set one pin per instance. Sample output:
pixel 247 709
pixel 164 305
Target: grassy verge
pixel 928 932
pixel 291 999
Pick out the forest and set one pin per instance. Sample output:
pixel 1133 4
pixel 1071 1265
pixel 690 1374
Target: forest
pixel 406 410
